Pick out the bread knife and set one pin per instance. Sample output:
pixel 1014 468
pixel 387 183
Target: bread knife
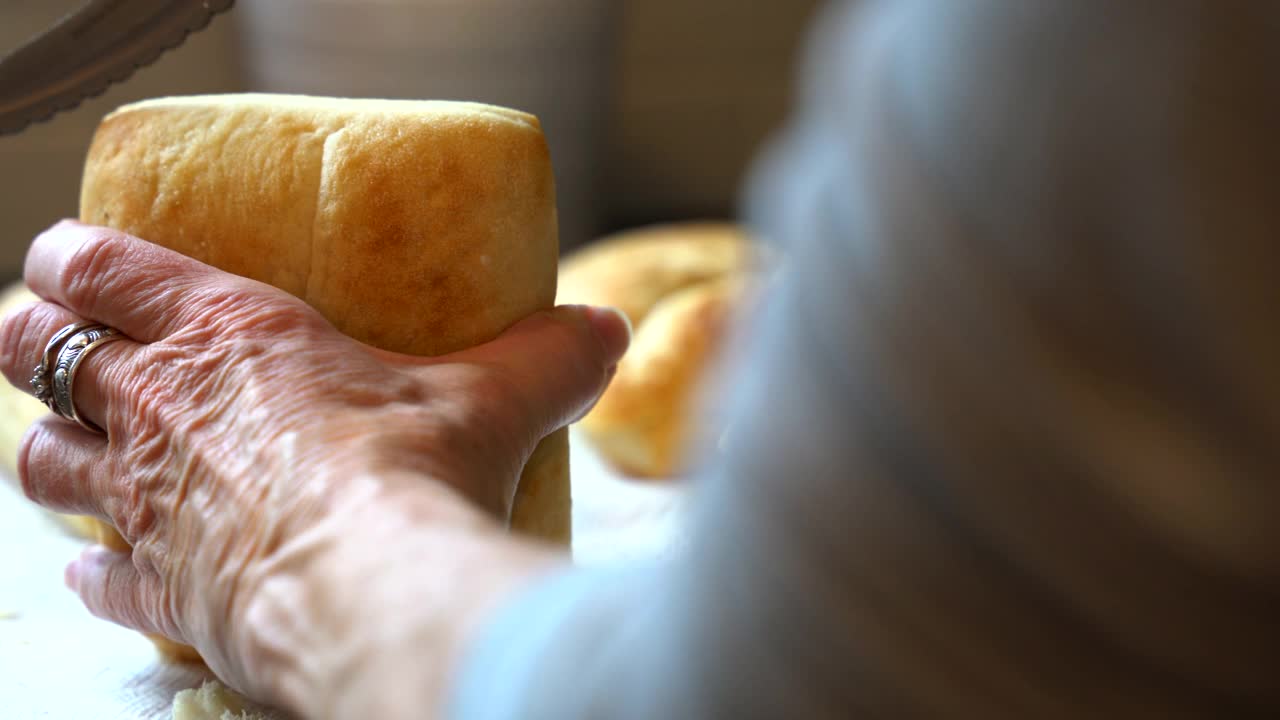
pixel 87 51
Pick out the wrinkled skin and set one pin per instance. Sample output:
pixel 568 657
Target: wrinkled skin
pixel 243 429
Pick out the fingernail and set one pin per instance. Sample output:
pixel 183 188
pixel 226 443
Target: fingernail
pixel 612 328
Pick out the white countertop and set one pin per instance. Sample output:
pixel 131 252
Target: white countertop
pixel 58 662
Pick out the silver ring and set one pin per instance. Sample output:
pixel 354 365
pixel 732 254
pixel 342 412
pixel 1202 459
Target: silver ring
pixel 41 382
pixel 72 353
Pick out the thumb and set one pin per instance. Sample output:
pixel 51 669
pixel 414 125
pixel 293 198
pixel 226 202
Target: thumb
pixel 557 362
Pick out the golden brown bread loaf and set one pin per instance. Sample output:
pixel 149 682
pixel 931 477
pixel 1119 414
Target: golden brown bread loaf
pixel 417 227
pixel 414 226
pixel 679 285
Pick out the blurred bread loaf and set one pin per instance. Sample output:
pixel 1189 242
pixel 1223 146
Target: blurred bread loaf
pixel 415 226
pixel 680 285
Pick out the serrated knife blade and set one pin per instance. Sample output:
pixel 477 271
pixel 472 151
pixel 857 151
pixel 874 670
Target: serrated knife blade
pixel 102 43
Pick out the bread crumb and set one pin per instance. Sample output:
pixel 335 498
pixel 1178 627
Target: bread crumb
pixel 214 701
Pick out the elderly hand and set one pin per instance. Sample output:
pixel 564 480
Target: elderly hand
pixel 249 444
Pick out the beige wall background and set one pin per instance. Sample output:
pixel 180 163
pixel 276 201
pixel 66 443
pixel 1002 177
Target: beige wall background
pixel 653 108
pixel 40 168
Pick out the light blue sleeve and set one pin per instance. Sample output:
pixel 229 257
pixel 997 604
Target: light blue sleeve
pixel 937 499
pixel 569 647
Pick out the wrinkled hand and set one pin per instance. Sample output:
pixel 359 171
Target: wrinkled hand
pixel 239 422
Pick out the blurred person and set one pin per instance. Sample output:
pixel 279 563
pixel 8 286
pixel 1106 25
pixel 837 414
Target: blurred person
pixel 1005 441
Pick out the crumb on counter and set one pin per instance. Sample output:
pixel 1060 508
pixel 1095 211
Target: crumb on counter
pixel 214 701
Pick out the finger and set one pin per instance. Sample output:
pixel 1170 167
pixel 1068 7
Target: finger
pixel 113 588
pixel 558 362
pixel 100 377
pixel 24 332
pixel 144 290
pixel 61 467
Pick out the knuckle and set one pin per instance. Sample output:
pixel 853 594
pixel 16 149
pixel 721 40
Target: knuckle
pixel 109 373
pixel 238 308
pixel 137 517
pixel 133 392
pixel 268 317
pixel 148 446
pixel 214 305
pixel 89 265
pixel 155 385
pixel 146 556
